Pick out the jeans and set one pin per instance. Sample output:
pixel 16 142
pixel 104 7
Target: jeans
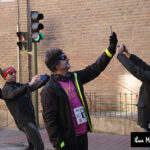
pixel 33 136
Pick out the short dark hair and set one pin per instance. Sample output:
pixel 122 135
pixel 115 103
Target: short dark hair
pixel 51 58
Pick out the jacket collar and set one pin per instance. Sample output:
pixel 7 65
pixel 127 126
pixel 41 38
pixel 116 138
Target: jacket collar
pixel 11 82
pixel 55 78
pixel 60 77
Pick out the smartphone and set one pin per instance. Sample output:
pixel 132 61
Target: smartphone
pixel 43 77
pixel 111 32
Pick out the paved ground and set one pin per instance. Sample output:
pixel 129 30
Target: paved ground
pixel 12 139
pixel 11 147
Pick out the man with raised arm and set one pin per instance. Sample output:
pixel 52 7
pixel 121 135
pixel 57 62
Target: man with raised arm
pixel 18 100
pixel 65 109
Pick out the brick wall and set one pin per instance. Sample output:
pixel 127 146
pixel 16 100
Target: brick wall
pixel 81 28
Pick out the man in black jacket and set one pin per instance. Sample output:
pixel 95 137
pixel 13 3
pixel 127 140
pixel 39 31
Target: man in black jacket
pixel 139 69
pixel 65 109
pixel 18 100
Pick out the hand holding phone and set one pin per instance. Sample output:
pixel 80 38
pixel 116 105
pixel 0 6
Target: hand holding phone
pixel 111 33
pixel 112 41
pixel 43 77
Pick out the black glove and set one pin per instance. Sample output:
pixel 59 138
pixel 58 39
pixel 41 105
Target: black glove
pixel 113 43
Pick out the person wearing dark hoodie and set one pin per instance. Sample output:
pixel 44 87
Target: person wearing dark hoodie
pixel 140 70
pixel 65 109
pixel 17 97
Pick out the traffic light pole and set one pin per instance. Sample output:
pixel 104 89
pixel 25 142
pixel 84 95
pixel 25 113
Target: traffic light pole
pixel 36 36
pixel 18 58
pixel 35 93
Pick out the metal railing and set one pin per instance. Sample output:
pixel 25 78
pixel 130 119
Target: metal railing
pixel 118 105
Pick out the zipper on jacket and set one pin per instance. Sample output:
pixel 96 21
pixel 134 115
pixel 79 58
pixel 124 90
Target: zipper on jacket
pixel 81 97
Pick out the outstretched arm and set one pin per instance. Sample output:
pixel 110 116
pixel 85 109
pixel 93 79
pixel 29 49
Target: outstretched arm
pixel 92 71
pixel 139 62
pixel 39 82
pixel 135 70
pixel 11 92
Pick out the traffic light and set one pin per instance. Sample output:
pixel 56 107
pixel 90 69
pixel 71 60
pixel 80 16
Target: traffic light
pixel 22 40
pixel 36 26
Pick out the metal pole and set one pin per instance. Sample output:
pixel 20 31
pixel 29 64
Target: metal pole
pixel 18 51
pixel 35 93
pixel 18 57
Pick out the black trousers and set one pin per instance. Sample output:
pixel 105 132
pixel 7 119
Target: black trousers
pixel 33 136
pixel 79 143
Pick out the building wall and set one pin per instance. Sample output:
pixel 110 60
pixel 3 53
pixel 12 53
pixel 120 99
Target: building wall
pixel 81 29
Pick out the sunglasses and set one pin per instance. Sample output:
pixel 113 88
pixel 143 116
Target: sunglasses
pixel 11 72
pixel 64 57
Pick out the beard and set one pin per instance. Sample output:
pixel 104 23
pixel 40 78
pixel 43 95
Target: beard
pixel 68 66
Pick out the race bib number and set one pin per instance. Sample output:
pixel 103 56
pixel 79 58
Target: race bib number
pixel 80 115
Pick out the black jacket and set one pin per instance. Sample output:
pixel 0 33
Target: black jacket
pixel 141 71
pixel 56 109
pixel 18 101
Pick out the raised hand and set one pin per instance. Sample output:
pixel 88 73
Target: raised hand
pixel 113 43
pixel 35 80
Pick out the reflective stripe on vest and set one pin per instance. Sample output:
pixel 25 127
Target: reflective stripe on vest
pixel 80 94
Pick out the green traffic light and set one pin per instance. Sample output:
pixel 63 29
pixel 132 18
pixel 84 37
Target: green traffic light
pixel 37 38
pixel 41 36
